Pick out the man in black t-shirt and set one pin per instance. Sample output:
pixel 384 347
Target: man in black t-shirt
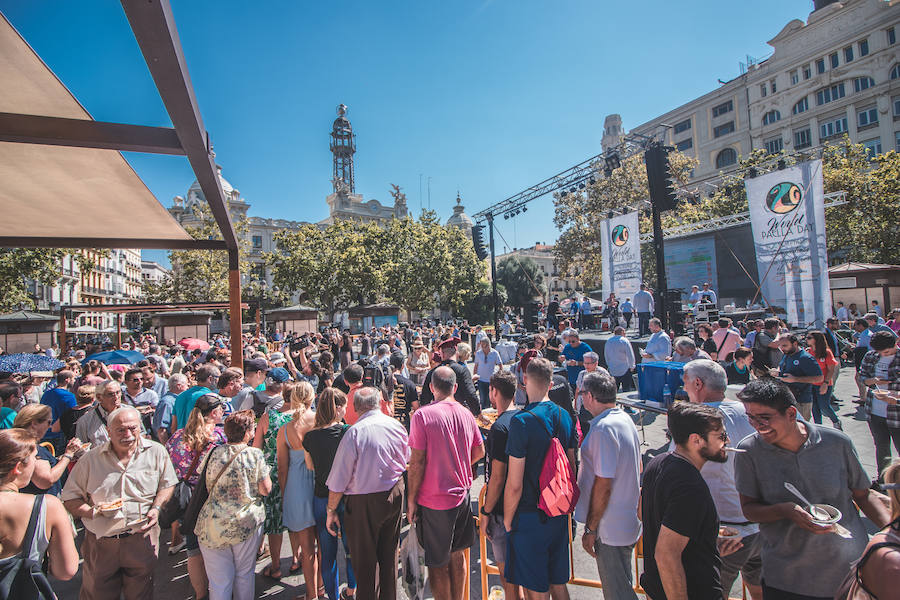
pixel 465 392
pixel 681 525
pixel 404 391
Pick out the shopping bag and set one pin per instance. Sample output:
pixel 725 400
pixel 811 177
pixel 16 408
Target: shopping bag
pixel 412 561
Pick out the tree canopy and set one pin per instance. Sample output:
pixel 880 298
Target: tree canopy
pixel 44 265
pixel 522 280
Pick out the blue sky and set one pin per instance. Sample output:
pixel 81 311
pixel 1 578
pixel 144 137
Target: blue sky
pixel 486 97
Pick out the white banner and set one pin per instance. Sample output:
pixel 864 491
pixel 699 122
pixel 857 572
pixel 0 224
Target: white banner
pixel 621 248
pixel 787 215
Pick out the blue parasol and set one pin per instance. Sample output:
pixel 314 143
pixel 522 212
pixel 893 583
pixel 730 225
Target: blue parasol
pixel 116 357
pixel 28 363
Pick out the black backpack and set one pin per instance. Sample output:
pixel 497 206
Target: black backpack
pixel 20 577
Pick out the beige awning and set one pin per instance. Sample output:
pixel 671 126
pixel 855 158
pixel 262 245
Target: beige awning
pixel 49 191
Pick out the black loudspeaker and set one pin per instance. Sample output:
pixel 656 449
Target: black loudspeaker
pixel 531 316
pixel 676 316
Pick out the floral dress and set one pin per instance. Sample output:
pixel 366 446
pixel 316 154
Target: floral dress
pixel 182 456
pixel 272 502
pixel 234 510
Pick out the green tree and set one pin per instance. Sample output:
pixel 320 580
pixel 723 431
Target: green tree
pixel 579 215
pixel 18 265
pixel 201 275
pixel 416 263
pixel 335 267
pixel 479 310
pixel 522 279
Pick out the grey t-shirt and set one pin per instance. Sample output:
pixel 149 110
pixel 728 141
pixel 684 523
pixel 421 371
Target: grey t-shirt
pixel 825 469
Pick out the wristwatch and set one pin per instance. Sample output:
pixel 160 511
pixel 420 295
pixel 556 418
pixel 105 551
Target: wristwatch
pixel 155 507
pixel 589 531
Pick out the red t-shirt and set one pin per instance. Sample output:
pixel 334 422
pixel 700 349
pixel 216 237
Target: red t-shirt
pixel 824 363
pixel 351 417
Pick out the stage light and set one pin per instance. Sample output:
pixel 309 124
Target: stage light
pixel 608 172
pixel 506 216
pixel 613 161
pixel 592 181
pixel 563 194
pixel 573 189
pixel 752 172
pixel 782 165
pixel 581 186
pixel 610 214
pixel 524 209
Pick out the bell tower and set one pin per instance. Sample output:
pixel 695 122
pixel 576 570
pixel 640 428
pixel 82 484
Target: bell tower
pixel 343 147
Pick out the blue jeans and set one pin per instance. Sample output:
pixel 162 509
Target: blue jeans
pixel 484 389
pixel 643 323
pixel 329 545
pixel 822 406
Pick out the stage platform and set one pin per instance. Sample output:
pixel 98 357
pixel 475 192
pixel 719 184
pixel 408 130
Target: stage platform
pixel 597 340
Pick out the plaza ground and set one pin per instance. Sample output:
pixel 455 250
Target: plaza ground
pixel 171 573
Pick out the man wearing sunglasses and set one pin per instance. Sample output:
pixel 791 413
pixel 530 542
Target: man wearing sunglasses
pixel 798 561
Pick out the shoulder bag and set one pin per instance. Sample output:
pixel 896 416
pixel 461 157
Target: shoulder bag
pixel 21 578
pixel 201 494
pixel 174 509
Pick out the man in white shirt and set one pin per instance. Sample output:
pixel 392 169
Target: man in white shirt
pixel 609 480
pixel 708 292
pixel 643 306
pixel 705 382
pixel 659 346
pixel 694 296
pixel 842 313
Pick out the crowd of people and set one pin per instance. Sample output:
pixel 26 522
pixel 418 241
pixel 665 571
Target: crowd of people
pixel 338 441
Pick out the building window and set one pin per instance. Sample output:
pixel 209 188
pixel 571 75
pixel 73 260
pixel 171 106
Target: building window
pixel 864 48
pixel 830 94
pixel 867 117
pixel 873 147
pixel 724 108
pixel 773 85
pixel 897 141
pixel 896 100
pixel 833 59
pixel 795 77
pixel 848 54
pixel 895 72
pixel 801 106
pixel 807 72
pixel 891 36
pixel 682 126
pixel 771 116
pixel 763 90
pixel 833 128
pixel 802 139
pixel 727 157
pixel 774 146
pixel 685 144
pixel 820 66
pixel 723 129
pixel 863 83
pixel 257 241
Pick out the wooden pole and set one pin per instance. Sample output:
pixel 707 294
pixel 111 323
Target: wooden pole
pixel 63 346
pixel 234 310
pixel 118 331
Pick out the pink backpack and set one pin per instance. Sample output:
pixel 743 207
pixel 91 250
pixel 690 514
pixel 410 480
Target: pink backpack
pixel 558 492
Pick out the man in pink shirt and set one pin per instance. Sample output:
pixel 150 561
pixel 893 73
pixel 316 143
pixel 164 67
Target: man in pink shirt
pixel 445 441
pixel 727 339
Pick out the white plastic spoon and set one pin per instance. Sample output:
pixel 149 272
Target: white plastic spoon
pixel 817 513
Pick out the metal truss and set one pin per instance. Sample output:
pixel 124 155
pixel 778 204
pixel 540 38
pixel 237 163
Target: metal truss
pixel 573 178
pixel 726 222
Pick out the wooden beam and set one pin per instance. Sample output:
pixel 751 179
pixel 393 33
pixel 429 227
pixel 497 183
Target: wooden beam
pixel 234 313
pixel 154 29
pixel 75 242
pixel 83 133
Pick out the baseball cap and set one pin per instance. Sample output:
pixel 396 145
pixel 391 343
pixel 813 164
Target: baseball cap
pixel 277 358
pixel 207 402
pixel 255 364
pixel 279 374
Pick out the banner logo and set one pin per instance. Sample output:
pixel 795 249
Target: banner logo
pixel 783 198
pixel 619 235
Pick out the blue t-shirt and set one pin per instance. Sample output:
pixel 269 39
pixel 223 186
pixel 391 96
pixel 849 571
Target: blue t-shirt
pixel 801 364
pixel 7 416
pixel 529 438
pixel 575 353
pixel 184 404
pixel 59 400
